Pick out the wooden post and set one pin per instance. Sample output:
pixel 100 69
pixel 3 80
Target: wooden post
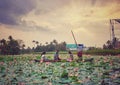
pixel 74 38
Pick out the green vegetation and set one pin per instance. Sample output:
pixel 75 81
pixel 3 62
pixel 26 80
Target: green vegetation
pixel 23 70
pixel 103 52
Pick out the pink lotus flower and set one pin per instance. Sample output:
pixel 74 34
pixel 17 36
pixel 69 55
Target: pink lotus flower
pixel 111 62
pixel 41 61
pixel 88 55
pixel 48 63
pixel 76 69
pixel 1 63
pixel 21 83
pixel 10 63
pixel 69 59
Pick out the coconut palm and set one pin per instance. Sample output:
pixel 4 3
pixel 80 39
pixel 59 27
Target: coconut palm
pixel 37 43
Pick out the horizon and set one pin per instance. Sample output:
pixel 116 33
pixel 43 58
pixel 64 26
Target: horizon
pixel 46 20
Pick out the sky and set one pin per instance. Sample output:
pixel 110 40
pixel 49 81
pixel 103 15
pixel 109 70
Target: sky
pixel 45 20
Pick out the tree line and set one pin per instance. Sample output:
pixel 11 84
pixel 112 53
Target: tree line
pixel 52 46
pixel 15 47
pixel 10 46
pixel 111 44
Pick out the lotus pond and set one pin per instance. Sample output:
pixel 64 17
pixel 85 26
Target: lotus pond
pixel 22 70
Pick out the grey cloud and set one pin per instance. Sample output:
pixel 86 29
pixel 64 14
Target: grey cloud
pixel 107 2
pixel 100 2
pixel 12 10
pixel 93 2
pixel 44 29
pixel 103 2
pixel 32 26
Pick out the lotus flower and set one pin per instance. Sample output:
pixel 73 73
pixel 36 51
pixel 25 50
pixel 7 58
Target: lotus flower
pixel 47 63
pixel 76 69
pixel 111 62
pixel 41 61
pixel 1 63
pixel 21 83
pixel 69 59
pixel 10 63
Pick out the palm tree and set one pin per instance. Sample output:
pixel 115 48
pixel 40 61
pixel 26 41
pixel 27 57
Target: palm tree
pixel 40 44
pixel 109 44
pixel 23 46
pixel 37 43
pixel 3 46
pixel 55 42
pixel 34 43
pixel 3 42
pixel 10 38
pixel 46 43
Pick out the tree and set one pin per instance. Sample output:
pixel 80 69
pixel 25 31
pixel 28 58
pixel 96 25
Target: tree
pixel 55 42
pixel 62 46
pixel 52 46
pixel 108 45
pixel 28 50
pixel 14 47
pixel 3 46
pixel 37 43
pixel 104 46
pixel 108 42
pixel 3 42
pixel 10 47
pixel 10 38
pixel 33 41
pixel 46 43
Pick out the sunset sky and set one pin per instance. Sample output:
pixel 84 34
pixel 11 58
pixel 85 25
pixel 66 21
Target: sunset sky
pixel 45 20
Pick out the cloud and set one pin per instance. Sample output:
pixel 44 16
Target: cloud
pixel 47 6
pixel 12 10
pixel 103 3
pixel 93 2
pixel 48 15
pixel 26 25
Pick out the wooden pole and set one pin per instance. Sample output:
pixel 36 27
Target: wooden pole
pixel 74 38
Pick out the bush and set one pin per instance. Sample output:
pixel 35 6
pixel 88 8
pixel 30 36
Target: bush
pixel 103 52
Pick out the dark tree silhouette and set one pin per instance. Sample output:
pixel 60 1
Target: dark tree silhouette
pixel 3 46
pixel 10 47
pixel 37 43
pixel 13 45
pixel 52 46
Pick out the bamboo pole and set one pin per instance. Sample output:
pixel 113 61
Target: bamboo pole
pixel 74 38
